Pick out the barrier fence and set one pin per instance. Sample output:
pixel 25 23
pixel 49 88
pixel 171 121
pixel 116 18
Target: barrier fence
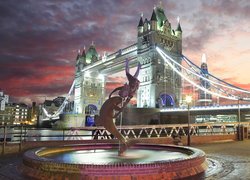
pixel 16 134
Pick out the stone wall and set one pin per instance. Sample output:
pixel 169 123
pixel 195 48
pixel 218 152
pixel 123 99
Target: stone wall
pixel 140 116
pixel 70 120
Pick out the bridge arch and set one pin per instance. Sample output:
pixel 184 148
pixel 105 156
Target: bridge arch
pixel 166 100
pixel 90 111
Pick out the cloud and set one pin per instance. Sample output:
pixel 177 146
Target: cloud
pixel 40 39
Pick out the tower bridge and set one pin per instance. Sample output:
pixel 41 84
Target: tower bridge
pixel 163 69
pixel 91 71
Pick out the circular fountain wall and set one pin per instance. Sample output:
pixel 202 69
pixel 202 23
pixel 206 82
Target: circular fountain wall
pixel 98 161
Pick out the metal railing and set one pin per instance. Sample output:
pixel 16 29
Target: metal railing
pixel 16 134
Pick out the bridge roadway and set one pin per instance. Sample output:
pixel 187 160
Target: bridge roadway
pixel 210 110
pixel 179 115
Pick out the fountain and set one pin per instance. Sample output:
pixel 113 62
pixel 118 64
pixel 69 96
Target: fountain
pixel 100 161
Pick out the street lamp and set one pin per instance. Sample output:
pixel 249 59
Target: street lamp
pixel 239 130
pixel 188 101
pixel 239 110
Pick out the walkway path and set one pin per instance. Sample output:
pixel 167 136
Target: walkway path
pixel 234 158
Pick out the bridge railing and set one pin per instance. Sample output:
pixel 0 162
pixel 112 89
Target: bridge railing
pixel 17 134
pixel 123 51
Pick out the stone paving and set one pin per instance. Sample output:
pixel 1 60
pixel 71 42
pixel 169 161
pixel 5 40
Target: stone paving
pixel 234 158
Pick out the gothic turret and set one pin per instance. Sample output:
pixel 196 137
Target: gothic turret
pixel 161 17
pixel 153 21
pixel 78 55
pixel 178 31
pixel 91 55
pixel 83 52
pixel 80 60
pixel 140 25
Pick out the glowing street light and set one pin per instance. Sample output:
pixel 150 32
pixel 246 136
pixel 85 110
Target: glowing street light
pixel 188 101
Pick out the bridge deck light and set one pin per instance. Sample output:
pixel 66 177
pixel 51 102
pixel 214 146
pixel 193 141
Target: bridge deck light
pixel 189 99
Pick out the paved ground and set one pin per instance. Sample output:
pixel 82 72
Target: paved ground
pixel 234 158
pixel 8 167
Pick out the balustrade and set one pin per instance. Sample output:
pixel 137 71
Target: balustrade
pixel 17 134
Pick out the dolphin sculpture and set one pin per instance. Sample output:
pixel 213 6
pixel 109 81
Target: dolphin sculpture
pixel 114 105
pixel 107 113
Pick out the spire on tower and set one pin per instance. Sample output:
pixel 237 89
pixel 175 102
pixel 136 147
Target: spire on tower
pixel 141 21
pixel 83 52
pixel 160 5
pixel 78 54
pixel 153 17
pixel 179 25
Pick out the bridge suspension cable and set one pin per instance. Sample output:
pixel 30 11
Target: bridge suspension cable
pixel 61 108
pixel 228 85
pixel 172 63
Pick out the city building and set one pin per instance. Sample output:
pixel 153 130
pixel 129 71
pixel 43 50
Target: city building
pixel 20 113
pixel 4 99
pixel 15 114
pixel 6 115
pixel 5 110
pixel 34 113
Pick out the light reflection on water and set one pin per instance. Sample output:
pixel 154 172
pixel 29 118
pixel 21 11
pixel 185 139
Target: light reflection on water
pixel 110 156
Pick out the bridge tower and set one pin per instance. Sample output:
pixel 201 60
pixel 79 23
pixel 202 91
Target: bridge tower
pixel 160 86
pixel 89 85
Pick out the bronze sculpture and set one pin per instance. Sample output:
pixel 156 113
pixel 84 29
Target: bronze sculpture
pixel 114 105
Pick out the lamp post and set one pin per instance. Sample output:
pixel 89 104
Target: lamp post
pixel 239 110
pixel 188 101
pixel 239 130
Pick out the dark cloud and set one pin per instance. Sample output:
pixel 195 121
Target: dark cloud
pixel 212 19
pixel 238 9
pixel 39 39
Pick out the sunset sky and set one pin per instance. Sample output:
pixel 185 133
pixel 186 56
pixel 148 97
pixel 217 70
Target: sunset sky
pixel 39 40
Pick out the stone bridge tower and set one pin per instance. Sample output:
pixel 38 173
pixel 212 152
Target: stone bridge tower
pixel 160 86
pixel 89 85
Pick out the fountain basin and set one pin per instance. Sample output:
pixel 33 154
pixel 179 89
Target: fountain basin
pixel 101 161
